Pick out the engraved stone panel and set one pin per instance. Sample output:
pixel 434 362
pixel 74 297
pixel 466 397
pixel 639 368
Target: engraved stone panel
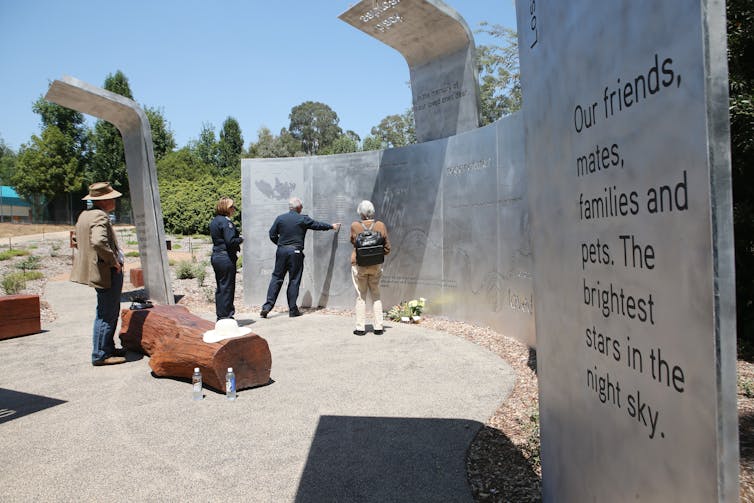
pixel 456 212
pixel 625 106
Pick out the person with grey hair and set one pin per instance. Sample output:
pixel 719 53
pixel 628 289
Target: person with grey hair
pixel 288 233
pixel 371 243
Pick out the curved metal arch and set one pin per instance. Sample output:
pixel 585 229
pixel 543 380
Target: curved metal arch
pixel 132 123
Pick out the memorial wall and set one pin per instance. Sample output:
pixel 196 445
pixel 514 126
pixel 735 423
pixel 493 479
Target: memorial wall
pixel 456 211
pixel 625 112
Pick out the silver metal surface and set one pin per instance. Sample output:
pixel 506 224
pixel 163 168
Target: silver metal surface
pixel 456 213
pixel 666 429
pixel 439 49
pixel 129 118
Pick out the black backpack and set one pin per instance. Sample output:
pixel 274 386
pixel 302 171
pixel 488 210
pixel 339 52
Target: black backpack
pixel 370 246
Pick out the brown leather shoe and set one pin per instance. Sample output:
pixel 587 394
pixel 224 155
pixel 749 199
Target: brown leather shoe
pixel 119 352
pixel 110 360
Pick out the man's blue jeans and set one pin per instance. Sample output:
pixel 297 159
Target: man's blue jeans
pixel 106 320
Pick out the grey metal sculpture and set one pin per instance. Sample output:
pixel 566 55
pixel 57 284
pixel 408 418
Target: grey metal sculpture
pixel 129 118
pixel 439 49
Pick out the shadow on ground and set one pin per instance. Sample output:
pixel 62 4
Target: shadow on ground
pixel 387 459
pixel 499 471
pixel 15 404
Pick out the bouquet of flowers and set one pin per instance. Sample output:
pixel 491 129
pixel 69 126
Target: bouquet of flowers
pixel 408 311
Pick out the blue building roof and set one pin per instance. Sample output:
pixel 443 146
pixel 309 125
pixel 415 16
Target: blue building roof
pixel 10 196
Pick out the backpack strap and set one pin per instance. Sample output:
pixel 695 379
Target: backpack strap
pixel 365 227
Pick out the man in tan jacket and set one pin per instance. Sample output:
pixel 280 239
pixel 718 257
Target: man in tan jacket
pixel 99 263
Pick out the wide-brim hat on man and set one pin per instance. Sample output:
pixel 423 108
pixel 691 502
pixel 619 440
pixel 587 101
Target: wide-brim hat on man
pixel 226 328
pixel 101 190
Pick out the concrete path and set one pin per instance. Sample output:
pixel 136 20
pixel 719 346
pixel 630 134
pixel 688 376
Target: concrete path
pixel 374 418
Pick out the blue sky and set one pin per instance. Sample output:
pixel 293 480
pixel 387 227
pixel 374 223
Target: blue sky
pixel 202 61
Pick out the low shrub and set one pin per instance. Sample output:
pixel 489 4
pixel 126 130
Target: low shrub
pixel 30 263
pixel 185 270
pixel 132 254
pixel 15 282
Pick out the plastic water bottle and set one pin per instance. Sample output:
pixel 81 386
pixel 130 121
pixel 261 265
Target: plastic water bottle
pixel 230 384
pixel 196 382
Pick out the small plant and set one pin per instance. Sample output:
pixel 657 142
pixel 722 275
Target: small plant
pixel 171 262
pixel 132 254
pixel 407 311
pixel 185 270
pixel 745 388
pixel 7 254
pixel 13 283
pixel 30 263
pixel 54 249
pixel 239 262
pixel 131 242
pixel 177 246
pixel 200 271
pixel 209 294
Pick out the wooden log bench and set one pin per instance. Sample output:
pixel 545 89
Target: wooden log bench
pixel 19 315
pixel 172 338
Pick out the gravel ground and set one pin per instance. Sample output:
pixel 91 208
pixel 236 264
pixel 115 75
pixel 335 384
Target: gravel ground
pixel 503 460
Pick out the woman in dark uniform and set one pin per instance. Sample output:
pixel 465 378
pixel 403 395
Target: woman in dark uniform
pixel 226 243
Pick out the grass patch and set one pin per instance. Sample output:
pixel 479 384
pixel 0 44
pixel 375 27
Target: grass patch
pixel 132 254
pixel 17 252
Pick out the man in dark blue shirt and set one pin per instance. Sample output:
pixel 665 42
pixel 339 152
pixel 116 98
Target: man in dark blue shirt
pixel 288 232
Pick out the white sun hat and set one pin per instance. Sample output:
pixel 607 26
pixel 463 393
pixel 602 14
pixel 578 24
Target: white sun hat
pixel 226 328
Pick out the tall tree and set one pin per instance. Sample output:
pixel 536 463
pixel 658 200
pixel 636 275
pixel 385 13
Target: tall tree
pixel 108 161
pixel 206 147
pixel 395 131
pixel 47 167
pixel 315 125
pixel 269 146
pixel 230 148
pixel 162 136
pixel 740 19
pixel 182 164
pixel 7 163
pixel 499 74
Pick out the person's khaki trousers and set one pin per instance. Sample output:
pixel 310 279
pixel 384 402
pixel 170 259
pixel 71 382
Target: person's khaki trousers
pixel 366 279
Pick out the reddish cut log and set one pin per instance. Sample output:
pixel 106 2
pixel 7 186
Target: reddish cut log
pixel 136 276
pixel 19 315
pixel 172 337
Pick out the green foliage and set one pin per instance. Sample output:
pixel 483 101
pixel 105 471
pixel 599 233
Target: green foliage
pixel 54 249
pixel 183 164
pixel 745 387
pixel 163 140
pixel 200 271
pixel 70 122
pixel 7 163
pixel 206 148
pixel 239 262
pixel 184 270
pixel 132 242
pixel 7 254
pixel 371 143
pixel 269 145
pixel 394 131
pixel 15 282
pixel 132 253
pixel 30 263
pixel 48 166
pixel 230 148
pixel 315 125
pixel 499 74
pixel 188 205
pixel 108 161
pixel 740 19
